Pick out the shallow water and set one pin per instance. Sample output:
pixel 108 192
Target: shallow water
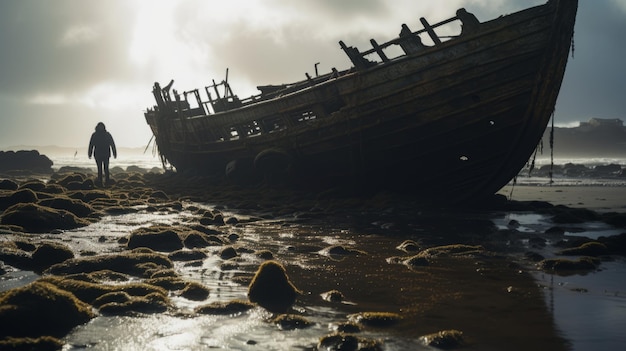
pixel 498 305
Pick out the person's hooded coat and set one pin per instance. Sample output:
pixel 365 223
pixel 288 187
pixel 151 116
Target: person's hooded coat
pixel 101 143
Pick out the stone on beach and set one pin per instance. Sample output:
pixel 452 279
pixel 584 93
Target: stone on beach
pixel 158 239
pixel 223 308
pixel 7 184
pixel 50 253
pixel 132 262
pixel 565 266
pixel 291 322
pixel 25 160
pixel 75 206
pixel 445 339
pixel 593 249
pixel 17 197
pixel 44 343
pixel 41 309
pixel 40 219
pixel 375 319
pixel 271 288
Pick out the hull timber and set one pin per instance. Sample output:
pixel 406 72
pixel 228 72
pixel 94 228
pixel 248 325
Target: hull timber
pixel 456 120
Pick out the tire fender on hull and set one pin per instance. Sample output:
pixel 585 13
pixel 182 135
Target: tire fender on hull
pixel 272 161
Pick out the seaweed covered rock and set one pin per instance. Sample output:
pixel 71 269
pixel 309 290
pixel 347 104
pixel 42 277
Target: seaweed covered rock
pixel 455 250
pixel 445 339
pixel 151 303
pixel 195 291
pixel 271 288
pixel 118 299
pixel 44 343
pixel 165 240
pixel 291 322
pixel 77 207
pixel 39 309
pixel 7 184
pixel 225 308
pixel 40 219
pixel 50 253
pixel 18 197
pixel 375 319
pixel 592 248
pixel 342 341
pixel 565 266
pixel 132 263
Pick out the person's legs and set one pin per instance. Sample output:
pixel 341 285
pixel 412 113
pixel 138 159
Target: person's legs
pixel 99 164
pixel 105 163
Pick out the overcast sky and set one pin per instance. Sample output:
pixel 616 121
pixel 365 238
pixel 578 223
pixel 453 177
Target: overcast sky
pixel 67 64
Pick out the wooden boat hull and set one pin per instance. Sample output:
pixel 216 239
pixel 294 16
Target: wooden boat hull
pixel 456 121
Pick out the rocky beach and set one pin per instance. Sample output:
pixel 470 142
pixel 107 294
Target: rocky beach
pixel 167 261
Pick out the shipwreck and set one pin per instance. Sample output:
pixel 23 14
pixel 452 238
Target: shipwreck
pixel 454 119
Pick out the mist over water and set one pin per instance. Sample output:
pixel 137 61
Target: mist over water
pixel 146 161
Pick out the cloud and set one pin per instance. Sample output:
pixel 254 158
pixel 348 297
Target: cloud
pixel 620 4
pixel 79 34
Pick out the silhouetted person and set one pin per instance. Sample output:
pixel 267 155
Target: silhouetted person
pixel 100 146
pixel 469 22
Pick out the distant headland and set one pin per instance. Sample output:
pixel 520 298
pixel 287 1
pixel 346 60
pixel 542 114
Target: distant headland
pixel 598 137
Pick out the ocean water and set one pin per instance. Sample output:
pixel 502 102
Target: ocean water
pixel 146 161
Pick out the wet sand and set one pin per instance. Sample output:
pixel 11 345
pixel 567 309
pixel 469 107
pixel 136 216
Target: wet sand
pixel 596 198
pixel 329 242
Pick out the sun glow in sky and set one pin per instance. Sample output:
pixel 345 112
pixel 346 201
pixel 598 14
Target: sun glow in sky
pixel 68 64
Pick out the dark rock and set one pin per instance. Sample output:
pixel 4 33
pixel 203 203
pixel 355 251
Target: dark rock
pixel 39 309
pixel 187 255
pixel 615 218
pixel 291 322
pixel 348 342
pixel 195 291
pixel 445 339
pixel 22 196
pixel 271 288
pixel 34 185
pixel 17 258
pixel 77 207
pixel 131 262
pixel 264 254
pixel 151 303
pixel 6 184
pixel 333 296
pixel 44 343
pixel 40 219
pixel 161 240
pixel 455 250
pixel 228 253
pixel 616 244
pixel 564 266
pixel 50 253
pixel 197 239
pixel 592 249
pixel 417 261
pixel 408 246
pixel 221 308
pixel 25 160
pixel 564 214
pixel 375 319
